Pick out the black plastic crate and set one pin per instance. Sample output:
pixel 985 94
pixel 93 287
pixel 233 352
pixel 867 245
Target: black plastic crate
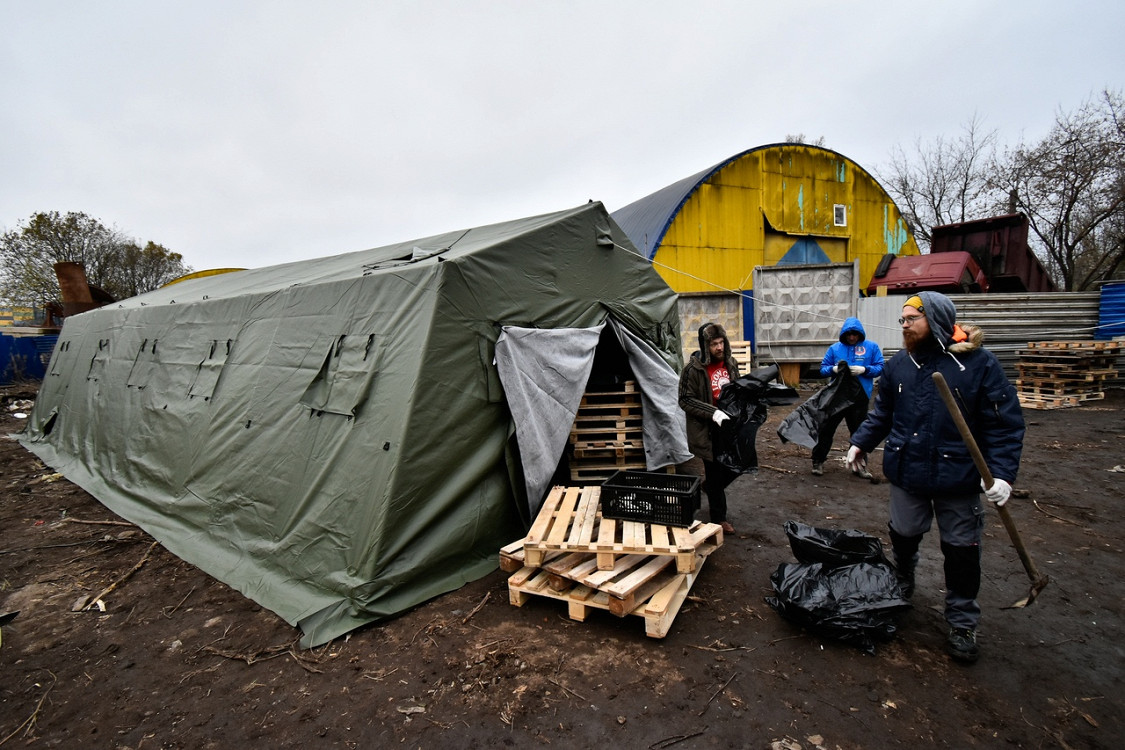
pixel 650 497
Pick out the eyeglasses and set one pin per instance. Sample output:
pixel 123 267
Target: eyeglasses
pixel 910 321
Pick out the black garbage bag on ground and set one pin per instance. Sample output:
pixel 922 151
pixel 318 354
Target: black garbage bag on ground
pixel 802 425
pixel 746 400
pixel 855 602
pixel 833 546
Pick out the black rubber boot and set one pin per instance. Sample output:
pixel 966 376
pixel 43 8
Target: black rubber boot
pixel 905 550
pixel 962 570
pixel 962 582
pixel 962 645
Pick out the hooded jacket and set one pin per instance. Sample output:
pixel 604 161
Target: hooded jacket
pixel 866 354
pixel 695 390
pixel 924 453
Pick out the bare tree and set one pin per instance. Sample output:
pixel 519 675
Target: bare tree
pixel 944 181
pixel 142 269
pixel 804 140
pixel 112 261
pixel 1071 185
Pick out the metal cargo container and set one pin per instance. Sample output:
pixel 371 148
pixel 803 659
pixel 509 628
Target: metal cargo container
pixel 999 245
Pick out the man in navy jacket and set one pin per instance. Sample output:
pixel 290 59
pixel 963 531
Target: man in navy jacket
pixel 928 464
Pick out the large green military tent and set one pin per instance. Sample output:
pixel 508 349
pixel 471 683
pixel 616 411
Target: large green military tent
pixel 343 438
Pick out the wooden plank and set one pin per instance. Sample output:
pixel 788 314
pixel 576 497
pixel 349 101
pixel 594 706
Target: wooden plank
pixel 566 569
pixel 611 433
pixel 600 579
pixel 629 584
pixel 1080 345
pixel 591 516
pixel 546 514
pixel 557 537
pixel 623 605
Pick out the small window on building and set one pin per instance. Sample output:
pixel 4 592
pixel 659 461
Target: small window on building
pixel 840 215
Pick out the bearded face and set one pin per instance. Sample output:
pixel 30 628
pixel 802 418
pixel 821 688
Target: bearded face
pixel 915 329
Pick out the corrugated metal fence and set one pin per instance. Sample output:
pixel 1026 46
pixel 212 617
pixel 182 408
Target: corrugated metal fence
pixel 1009 321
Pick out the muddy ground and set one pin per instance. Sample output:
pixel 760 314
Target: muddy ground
pixel 179 660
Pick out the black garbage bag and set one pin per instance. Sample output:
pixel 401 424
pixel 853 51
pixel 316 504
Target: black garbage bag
pixel 833 547
pixel 802 425
pixel 746 400
pixel 843 587
pixel 857 604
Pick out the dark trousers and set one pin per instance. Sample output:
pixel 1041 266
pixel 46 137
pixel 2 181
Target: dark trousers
pixel 854 415
pixel 716 478
pixel 960 520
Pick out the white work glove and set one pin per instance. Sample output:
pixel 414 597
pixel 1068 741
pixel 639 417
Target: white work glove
pixel 998 493
pixel 857 459
pixel 857 370
pixel 719 417
pixel 840 366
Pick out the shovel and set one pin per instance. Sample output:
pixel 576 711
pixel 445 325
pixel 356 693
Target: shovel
pixel 1038 582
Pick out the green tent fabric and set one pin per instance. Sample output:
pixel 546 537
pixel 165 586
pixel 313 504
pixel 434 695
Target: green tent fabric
pixel 331 437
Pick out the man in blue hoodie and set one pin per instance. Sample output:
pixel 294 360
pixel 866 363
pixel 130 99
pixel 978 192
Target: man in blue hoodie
pixel 930 469
pixel 852 356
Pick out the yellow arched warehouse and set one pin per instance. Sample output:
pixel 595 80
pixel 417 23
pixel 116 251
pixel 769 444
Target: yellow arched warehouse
pixel 780 204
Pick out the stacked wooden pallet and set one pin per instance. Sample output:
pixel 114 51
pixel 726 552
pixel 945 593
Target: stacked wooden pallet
pixel 628 568
pixel 1057 374
pixel 607 434
pixel 740 350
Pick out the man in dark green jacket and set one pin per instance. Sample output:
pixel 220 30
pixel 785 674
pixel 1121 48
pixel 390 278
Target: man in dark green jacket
pixel 701 381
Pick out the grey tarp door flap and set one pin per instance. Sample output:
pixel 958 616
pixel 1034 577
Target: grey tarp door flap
pixel 665 424
pixel 544 374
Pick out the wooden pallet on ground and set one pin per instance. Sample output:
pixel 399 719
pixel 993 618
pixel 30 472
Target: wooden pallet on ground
pixel 1033 401
pixel 1039 387
pixel 629 568
pixel 658 609
pixel 571 521
pixel 1061 374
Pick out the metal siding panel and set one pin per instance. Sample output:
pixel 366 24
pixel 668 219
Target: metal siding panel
pixel 798 310
pixel 697 309
pixel 1111 311
pixel 1009 321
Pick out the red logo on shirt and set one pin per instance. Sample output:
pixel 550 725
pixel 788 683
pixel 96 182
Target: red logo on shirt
pixel 719 377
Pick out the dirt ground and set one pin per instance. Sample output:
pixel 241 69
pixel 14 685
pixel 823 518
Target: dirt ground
pixel 179 660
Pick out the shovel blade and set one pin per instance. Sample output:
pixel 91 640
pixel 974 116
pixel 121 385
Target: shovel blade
pixel 1031 595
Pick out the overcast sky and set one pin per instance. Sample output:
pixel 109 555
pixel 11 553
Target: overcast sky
pixel 244 134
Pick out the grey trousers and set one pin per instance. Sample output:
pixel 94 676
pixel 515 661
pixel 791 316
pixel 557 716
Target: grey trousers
pixel 960 520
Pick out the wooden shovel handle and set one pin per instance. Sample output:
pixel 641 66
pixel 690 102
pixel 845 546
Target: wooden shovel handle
pixel 986 475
